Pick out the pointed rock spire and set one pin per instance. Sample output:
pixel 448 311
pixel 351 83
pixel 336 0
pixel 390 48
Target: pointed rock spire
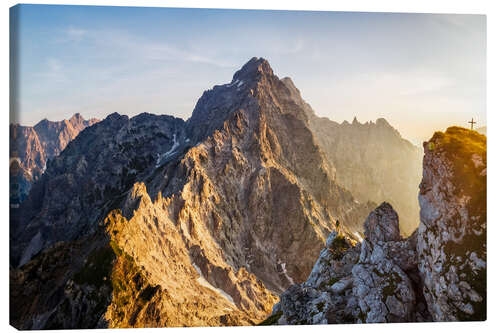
pixel 382 122
pixel 252 68
pixel 76 119
pixel 382 224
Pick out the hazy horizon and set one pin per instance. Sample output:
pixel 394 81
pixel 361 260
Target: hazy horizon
pixel 421 72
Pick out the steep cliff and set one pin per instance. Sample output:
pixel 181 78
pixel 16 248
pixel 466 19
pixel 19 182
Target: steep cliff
pixel 452 233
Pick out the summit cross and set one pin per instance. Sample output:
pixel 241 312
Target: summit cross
pixel 472 122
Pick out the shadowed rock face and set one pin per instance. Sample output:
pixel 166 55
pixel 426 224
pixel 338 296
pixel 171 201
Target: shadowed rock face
pixel 375 163
pixel 208 219
pixel 371 160
pixel 439 273
pixel 31 147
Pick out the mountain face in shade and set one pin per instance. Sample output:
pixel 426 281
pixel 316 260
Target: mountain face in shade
pixel 371 160
pixel 173 223
pixel 436 274
pixel 375 163
pixel 31 147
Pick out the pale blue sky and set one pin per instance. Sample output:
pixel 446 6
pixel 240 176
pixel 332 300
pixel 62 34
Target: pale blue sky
pixel 421 72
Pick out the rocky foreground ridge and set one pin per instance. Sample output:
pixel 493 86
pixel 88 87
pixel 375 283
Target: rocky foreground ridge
pixel 436 274
pixel 31 147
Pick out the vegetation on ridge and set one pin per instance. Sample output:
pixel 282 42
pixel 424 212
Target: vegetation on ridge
pixel 460 145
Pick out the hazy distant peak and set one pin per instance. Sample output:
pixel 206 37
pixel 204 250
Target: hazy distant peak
pixel 382 122
pixel 287 81
pixel 75 120
pixel 76 116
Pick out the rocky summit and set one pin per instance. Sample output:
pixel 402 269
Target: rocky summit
pixel 436 274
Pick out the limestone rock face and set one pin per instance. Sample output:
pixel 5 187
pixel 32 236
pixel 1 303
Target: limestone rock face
pixel 194 223
pixel 370 282
pixel 382 225
pixel 452 234
pixel 31 147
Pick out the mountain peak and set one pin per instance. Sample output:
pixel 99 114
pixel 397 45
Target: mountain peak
pixel 252 68
pixel 382 224
pixel 382 122
pixel 42 122
pixel 115 116
pixel 76 119
pixel 76 116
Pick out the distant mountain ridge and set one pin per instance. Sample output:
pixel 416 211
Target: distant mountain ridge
pixel 375 163
pixel 371 160
pixel 31 147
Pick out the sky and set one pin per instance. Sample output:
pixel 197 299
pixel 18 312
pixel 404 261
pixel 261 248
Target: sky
pixel 421 72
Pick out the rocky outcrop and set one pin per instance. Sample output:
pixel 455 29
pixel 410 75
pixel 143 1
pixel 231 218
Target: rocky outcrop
pixel 31 147
pixel 452 233
pixel 374 281
pixel 438 273
pixel 219 214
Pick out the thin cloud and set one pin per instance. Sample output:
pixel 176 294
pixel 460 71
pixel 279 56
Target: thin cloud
pixel 75 34
pixel 53 71
pixel 118 42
